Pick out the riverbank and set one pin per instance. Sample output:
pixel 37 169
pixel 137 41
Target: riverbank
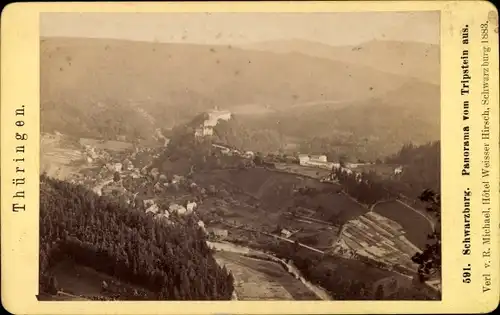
pixel 290 268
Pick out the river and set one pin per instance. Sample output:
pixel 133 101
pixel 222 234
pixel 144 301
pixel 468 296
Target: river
pixel 242 250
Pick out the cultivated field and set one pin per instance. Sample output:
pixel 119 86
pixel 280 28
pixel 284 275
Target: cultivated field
pixel 106 145
pixel 320 238
pixel 257 279
pixel 416 226
pixel 58 158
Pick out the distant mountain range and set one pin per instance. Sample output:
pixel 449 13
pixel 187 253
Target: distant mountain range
pixel 103 88
pixel 409 59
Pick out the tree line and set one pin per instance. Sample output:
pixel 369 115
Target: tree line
pixel 172 261
pixel 420 171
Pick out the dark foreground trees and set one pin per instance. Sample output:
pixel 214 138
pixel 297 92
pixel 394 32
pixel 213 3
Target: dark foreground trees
pixel 429 260
pixel 173 261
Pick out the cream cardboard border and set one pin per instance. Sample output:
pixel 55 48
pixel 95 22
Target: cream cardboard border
pixel 20 86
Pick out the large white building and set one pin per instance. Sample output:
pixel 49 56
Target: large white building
pixel 175 208
pixel 320 161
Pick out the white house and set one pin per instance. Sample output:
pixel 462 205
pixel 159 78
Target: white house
pixel 191 206
pixel 218 233
pixel 303 159
pixel 177 179
pixel 118 167
pixel 175 208
pixel 285 233
pixel 398 170
pixel 153 209
pixel 208 131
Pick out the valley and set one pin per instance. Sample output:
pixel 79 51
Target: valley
pixel 286 169
pixel 261 207
pixel 349 101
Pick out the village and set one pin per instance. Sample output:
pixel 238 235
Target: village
pixel 118 169
pixel 124 171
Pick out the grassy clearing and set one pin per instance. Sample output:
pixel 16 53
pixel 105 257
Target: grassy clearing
pixel 276 192
pixel 83 281
pixel 111 145
pixel 321 239
pixel 58 159
pixel 313 172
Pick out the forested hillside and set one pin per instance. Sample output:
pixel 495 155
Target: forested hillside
pixel 246 137
pixel 421 168
pixel 172 261
pixel 362 130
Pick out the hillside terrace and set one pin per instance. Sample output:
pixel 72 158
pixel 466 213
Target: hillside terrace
pixel 379 238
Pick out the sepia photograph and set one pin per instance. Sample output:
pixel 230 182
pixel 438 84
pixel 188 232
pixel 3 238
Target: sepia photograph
pixel 244 156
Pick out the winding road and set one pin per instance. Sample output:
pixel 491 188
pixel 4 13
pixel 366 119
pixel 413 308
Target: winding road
pixel 418 212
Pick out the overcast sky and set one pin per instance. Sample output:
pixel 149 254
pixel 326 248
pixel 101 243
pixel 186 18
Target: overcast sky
pixel 242 28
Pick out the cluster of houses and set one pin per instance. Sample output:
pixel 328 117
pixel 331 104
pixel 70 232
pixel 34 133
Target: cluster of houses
pixel 378 238
pixel 229 151
pixel 321 161
pixel 174 208
pixel 92 154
